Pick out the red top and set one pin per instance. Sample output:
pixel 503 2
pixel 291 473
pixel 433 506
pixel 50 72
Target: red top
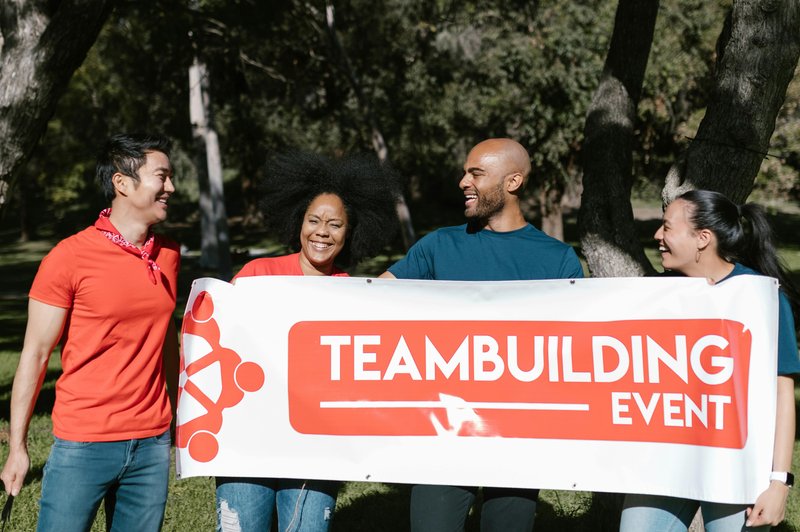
pixel 285 265
pixel 112 386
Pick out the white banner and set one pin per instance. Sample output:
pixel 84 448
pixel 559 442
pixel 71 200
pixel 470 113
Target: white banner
pixel 646 385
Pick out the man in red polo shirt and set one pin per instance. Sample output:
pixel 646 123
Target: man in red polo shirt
pixel 108 292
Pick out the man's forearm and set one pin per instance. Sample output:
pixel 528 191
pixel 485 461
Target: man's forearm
pixel 27 384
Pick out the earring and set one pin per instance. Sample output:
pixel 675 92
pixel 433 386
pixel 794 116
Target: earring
pixel 697 256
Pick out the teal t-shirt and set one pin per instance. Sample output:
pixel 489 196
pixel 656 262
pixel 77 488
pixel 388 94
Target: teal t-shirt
pixel 788 361
pixel 458 254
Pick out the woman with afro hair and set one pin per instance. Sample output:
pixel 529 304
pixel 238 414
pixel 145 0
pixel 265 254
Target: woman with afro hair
pixel 333 214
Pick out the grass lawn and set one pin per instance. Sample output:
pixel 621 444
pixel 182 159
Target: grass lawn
pixel 360 506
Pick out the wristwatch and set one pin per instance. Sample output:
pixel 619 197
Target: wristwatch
pixel 783 476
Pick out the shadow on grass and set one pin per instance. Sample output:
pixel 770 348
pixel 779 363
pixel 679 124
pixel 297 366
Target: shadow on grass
pixel 601 514
pixel 18 276
pixel 35 474
pixel 13 315
pixel 44 403
pixel 387 510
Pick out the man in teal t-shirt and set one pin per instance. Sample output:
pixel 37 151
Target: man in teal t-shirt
pixel 496 244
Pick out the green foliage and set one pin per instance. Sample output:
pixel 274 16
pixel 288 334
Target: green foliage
pixel 437 76
pixel 458 76
pixel 779 176
pixel 677 85
pixel 133 79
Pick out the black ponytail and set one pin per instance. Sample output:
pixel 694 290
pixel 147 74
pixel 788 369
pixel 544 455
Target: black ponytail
pixel 761 254
pixel 743 235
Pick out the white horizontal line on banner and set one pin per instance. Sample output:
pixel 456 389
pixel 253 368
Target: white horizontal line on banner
pixel 440 404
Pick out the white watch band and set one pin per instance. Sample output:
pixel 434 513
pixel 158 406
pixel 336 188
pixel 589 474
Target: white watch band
pixel 778 475
pixel 782 476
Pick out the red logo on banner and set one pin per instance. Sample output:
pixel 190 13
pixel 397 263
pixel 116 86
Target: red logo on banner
pixel 235 378
pixel 674 381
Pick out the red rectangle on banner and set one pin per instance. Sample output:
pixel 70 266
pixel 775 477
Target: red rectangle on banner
pixel 673 381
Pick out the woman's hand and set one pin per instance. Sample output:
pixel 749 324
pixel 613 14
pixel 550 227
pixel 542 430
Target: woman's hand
pixel 770 507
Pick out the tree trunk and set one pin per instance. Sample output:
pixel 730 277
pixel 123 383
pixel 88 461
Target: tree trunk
pixel 215 241
pixel 41 44
pixel 378 142
pixel 757 53
pixel 608 236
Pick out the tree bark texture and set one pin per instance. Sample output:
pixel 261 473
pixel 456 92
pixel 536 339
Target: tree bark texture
pixel 41 44
pixel 757 53
pixel 376 136
pixel 608 236
pixel 215 247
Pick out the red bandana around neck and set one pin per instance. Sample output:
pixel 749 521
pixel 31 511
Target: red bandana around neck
pixel 104 225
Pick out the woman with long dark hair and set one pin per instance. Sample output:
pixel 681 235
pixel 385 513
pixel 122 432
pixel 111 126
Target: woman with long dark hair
pixel 704 234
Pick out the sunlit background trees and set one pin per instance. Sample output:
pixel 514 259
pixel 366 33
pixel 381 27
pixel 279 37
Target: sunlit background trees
pixel 431 77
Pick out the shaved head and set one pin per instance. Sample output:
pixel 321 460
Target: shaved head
pixel 494 176
pixel 509 153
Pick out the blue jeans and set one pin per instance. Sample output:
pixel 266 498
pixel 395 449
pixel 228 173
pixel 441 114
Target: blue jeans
pixel 246 504
pixel 132 476
pixel 672 514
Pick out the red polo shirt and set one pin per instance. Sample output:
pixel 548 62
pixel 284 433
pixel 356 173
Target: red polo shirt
pixel 284 265
pixel 112 386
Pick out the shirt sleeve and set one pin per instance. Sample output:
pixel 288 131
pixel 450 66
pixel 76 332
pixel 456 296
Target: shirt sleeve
pixel 571 266
pixel 418 262
pixel 54 283
pixel 788 361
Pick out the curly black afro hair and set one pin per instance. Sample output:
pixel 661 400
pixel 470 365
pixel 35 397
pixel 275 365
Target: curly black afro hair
pixel 368 189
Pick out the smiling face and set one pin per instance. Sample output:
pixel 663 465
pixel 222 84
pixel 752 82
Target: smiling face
pixel 483 183
pixel 678 240
pixel 323 234
pixel 147 197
